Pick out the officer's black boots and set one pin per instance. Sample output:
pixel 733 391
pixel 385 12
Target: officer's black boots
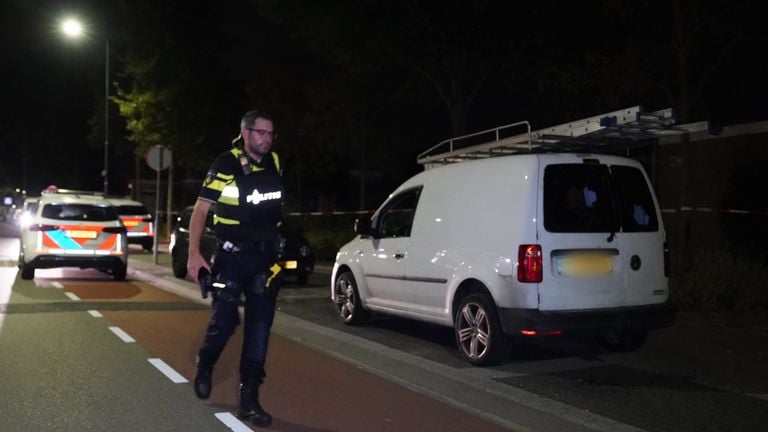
pixel 203 381
pixel 249 408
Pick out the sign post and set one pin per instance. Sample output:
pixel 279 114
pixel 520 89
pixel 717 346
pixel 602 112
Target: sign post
pixel 158 158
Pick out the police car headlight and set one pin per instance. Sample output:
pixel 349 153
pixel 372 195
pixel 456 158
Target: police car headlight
pixel 305 251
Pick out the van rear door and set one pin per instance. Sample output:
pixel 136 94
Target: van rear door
pixel 601 236
pixel 642 237
pixel 579 235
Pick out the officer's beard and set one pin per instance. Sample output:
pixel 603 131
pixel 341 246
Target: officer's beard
pixel 252 150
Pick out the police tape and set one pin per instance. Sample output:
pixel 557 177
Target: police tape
pixel 669 210
pixel 715 210
pixel 332 213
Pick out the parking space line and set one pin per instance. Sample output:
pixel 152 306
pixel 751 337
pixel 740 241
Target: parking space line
pixel 232 422
pixel 95 313
pixel 72 296
pixel 122 335
pixel 168 371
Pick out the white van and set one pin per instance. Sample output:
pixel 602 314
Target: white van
pixel 514 246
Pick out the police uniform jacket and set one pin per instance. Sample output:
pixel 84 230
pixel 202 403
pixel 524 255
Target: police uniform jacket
pixel 248 196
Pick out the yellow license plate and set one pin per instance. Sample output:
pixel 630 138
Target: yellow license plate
pixel 130 223
pixel 584 265
pixel 290 265
pixel 82 234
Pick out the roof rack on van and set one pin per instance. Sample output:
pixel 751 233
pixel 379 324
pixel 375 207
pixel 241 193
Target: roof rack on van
pixel 604 132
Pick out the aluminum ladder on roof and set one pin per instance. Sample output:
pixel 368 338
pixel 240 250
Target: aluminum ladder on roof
pixel 608 131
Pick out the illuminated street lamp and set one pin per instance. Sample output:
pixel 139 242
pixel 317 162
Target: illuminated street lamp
pixel 74 29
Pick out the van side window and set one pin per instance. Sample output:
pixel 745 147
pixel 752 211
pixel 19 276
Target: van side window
pixel 396 219
pixel 578 198
pixel 638 212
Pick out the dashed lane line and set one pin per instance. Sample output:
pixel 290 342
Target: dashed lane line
pixel 232 422
pixel 72 296
pixel 95 313
pixel 122 334
pixel 168 371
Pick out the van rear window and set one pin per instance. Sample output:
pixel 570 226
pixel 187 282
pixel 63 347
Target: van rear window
pixel 638 212
pixel 596 198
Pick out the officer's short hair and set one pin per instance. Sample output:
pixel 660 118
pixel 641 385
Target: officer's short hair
pixel 251 116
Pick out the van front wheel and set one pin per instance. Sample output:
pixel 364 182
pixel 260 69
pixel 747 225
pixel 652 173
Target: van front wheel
pixel 348 300
pixel 478 331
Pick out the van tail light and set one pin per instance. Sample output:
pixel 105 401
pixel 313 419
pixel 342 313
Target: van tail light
pixel 666 260
pixel 529 263
pixel 114 230
pixel 41 227
pixel 541 332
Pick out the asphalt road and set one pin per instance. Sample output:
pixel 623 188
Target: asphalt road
pixel 63 368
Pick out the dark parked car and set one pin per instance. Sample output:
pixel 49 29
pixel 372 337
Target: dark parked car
pixel 298 257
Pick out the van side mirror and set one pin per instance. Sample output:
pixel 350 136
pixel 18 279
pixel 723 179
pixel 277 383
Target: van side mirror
pixel 363 227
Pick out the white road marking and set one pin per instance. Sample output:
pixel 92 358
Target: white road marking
pixel 167 371
pixel 57 285
pixel 72 296
pixel 122 335
pixel 232 422
pixel 95 313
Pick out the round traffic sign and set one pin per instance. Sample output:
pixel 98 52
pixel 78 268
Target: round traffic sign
pixel 158 158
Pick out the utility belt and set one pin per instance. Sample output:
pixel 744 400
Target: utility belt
pixel 247 246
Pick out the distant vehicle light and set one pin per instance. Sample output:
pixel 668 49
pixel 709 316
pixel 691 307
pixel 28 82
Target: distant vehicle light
pixel 25 220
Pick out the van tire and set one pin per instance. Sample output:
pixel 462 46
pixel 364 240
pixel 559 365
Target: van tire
pixel 623 340
pixel 477 316
pixel 348 306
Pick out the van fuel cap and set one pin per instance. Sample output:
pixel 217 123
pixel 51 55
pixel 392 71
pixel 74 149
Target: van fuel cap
pixel 635 262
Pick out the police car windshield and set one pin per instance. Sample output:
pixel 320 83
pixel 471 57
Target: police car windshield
pixel 79 212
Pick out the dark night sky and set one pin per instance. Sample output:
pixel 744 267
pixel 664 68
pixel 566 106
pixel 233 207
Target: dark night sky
pixel 51 87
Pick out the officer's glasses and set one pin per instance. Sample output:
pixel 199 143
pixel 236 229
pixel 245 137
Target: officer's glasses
pixel 263 132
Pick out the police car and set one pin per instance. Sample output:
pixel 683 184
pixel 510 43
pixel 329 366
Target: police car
pixel 138 221
pixel 73 229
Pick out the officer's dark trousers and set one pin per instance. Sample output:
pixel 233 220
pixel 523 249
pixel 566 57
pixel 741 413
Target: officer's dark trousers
pixel 243 269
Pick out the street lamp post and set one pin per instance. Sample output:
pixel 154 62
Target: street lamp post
pixel 74 29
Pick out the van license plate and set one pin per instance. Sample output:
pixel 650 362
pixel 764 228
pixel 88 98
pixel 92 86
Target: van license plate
pixel 584 265
pixel 82 234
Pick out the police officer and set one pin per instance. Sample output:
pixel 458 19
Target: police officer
pixel 245 184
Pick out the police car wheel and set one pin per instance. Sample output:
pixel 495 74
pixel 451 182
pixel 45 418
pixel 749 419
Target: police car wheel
pixel 27 272
pixel 118 273
pixel 178 264
pixel 348 306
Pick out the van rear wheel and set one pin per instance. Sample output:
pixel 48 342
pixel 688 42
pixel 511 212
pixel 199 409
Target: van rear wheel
pixel 623 339
pixel 478 331
pixel 348 306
